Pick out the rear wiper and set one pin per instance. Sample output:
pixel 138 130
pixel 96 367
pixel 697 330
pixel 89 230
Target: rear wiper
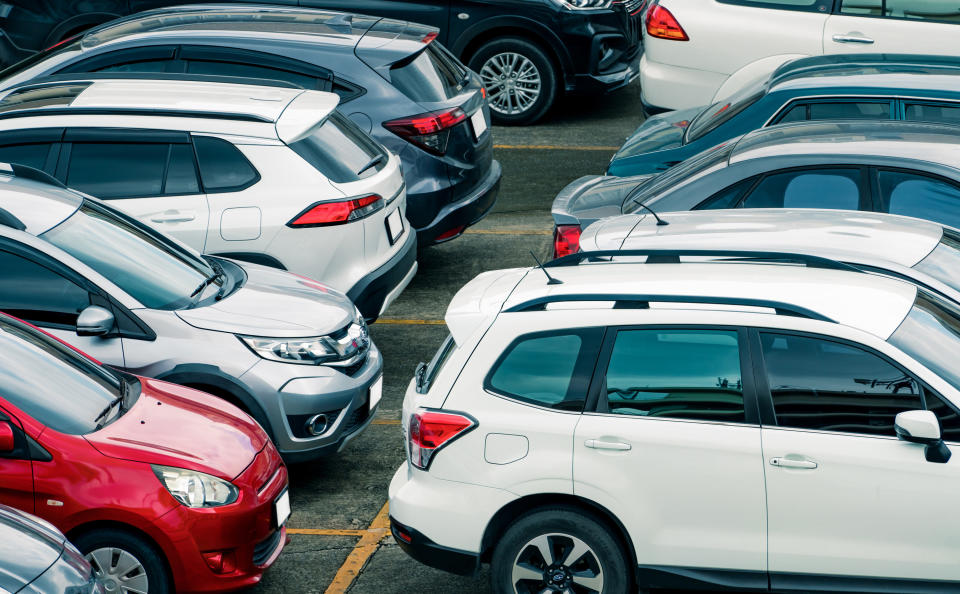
pixel 372 163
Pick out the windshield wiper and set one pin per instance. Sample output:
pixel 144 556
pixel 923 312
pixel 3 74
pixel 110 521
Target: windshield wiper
pixel 217 274
pixel 106 409
pixel 372 163
pixel 223 277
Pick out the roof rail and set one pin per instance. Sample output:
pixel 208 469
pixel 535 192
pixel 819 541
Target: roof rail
pixel 136 111
pixel 672 256
pixel 76 77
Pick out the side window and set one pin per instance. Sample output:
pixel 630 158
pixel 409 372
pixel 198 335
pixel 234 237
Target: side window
pixel 346 91
pixel 148 58
pixel 117 170
pixel 222 166
pixel 837 110
pixel 680 374
pixel 142 66
pixel 812 188
pixel 551 370
pixel 37 294
pixel 830 386
pixel 219 68
pixel 32 154
pixel 919 196
pixel 804 5
pixel 181 171
pixel 798 113
pixel 930 10
pixel 946 414
pixel 728 197
pixel 947 113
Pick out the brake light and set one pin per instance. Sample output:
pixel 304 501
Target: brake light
pixel 430 131
pixel 431 430
pixel 662 24
pixel 337 211
pixel 429 37
pixel 566 240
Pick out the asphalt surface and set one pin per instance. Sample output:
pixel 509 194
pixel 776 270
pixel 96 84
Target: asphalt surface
pixel 338 542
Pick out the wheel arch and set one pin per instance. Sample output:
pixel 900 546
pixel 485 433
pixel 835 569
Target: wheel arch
pixel 486 30
pixel 119 525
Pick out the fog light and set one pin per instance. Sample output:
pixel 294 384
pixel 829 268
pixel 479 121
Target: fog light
pixel 316 425
pixel 221 561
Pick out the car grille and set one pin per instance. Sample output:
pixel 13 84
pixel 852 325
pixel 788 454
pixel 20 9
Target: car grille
pixel 265 548
pixel 358 417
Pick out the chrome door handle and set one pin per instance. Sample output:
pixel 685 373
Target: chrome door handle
pixel 851 38
pixel 598 444
pixel 793 463
pixel 174 216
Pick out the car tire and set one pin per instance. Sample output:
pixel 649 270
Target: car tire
pixel 127 559
pixel 520 78
pixel 600 567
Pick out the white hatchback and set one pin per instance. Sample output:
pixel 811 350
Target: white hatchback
pixel 697 52
pixel 269 175
pixel 750 425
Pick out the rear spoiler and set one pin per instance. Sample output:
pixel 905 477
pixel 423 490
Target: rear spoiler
pixel 389 41
pixel 304 114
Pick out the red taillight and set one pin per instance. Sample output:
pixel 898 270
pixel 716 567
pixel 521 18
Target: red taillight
pixel 566 240
pixel 429 37
pixel 450 233
pixel 429 131
pixel 431 430
pixel 337 211
pixel 661 23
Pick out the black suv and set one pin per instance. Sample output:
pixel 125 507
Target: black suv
pixel 526 51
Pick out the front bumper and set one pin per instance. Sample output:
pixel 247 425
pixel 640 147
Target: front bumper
pixel 373 293
pixel 621 75
pixel 454 218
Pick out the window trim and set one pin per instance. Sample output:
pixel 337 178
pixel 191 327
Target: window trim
pixel 789 105
pixel 775 6
pixel 838 10
pixel 149 53
pixel 867 199
pixel 224 190
pixel 595 400
pixel 878 199
pixel 244 57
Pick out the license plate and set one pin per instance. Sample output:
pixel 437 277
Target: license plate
pixel 376 391
pixel 479 123
pixel 281 507
pixel 394 226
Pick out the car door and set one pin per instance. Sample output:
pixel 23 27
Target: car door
pixel 37 147
pixel 150 175
pixel 845 497
pixel 16 469
pixel 46 294
pixel 893 26
pixel 427 12
pixel 920 195
pixel 673 449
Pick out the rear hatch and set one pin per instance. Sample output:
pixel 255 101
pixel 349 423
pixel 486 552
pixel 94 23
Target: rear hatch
pixel 454 121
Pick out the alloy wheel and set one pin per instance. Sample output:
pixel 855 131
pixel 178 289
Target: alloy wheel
pixel 512 81
pixel 556 563
pixel 119 571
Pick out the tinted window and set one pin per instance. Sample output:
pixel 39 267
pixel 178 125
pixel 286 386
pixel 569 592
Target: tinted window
pixel 434 75
pixel 121 170
pixel 341 151
pixel 930 10
pixel 920 196
pixel 51 382
pixel 806 5
pixel 143 66
pixel 944 261
pixel 541 370
pixel 946 414
pixel 222 166
pixel 797 113
pixel 727 198
pixel 714 116
pixel 251 71
pixel 32 155
pixel 37 294
pixel 931 335
pixel 830 386
pixel 816 188
pixel 691 169
pixel 926 112
pixel 837 110
pixel 181 171
pixel 681 374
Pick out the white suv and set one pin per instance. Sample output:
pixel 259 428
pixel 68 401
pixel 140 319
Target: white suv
pixel 752 425
pixel 269 175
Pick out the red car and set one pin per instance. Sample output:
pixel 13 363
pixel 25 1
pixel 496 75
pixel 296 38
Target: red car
pixel 161 487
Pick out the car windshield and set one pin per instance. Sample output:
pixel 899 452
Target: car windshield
pixel 54 384
pixel 678 175
pixel 712 117
pixel 943 263
pixel 931 335
pixel 150 268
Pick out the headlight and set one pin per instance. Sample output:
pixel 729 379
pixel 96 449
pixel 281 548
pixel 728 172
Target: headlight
pixel 340 349
pixel 584 4
pixel 195 489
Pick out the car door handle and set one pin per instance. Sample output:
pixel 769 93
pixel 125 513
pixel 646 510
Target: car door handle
pixel 852 38
pixel 599 444
pixel 802 463
pixel 174 216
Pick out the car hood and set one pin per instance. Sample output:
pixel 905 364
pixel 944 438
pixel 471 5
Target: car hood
pixel 177 426
pixel 28 546
pixel 658 133
pixel 593 197
pixel 275 304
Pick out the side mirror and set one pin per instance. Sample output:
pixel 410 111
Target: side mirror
pixel 922 426
pixel 95 321
pixel 7 441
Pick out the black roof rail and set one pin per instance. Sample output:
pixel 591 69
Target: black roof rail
pixel 136 111
pixel 672 256
pixel 76 77
pixel 25 172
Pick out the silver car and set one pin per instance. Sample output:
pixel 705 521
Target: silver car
pixel 293 353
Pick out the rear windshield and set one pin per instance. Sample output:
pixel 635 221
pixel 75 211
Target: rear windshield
pixel 341 151
pixel 943 263
pixel 431 76
pixel 678 175
pixel 931 334
pixel 712 117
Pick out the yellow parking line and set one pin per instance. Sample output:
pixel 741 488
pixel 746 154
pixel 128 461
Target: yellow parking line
pixel 508 232
pixel 385 422
pixel 402 322
pixel 361 553
pixel 325 532
pixel 554 147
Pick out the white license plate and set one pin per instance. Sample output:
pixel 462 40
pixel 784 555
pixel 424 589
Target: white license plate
pixel 376 392
pixel 479 123
pixel 282 508
pixel 394 226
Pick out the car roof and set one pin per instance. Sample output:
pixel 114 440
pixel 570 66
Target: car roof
pixel 938 143
pixel 288 113
pixel 36 203
pixel 899 71
pixel 848 236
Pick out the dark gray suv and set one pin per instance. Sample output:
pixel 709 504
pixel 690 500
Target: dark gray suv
pixel 394 80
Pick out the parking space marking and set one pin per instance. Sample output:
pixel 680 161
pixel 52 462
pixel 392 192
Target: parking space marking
pixel 554 147
pixel 361 553
pixel 508 232
pixel 403 322
pixel 385 422
pixel 325 532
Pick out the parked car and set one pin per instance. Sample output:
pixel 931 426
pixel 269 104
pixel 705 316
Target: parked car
pixel 869 87
pixel 922 252
pixel 689 58
pixel 35 558
pixel 293 353
pixel 394 79
pixel 273 176
pixel 746 425
pixel 901 168
pixel 161 487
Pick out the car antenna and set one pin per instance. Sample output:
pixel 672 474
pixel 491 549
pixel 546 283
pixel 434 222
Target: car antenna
pixel 550 279
pixel 660 222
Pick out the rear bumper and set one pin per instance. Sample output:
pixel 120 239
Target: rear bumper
pixel 374 292
pixel 431 554
pixel 457 216
pixel 664 87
